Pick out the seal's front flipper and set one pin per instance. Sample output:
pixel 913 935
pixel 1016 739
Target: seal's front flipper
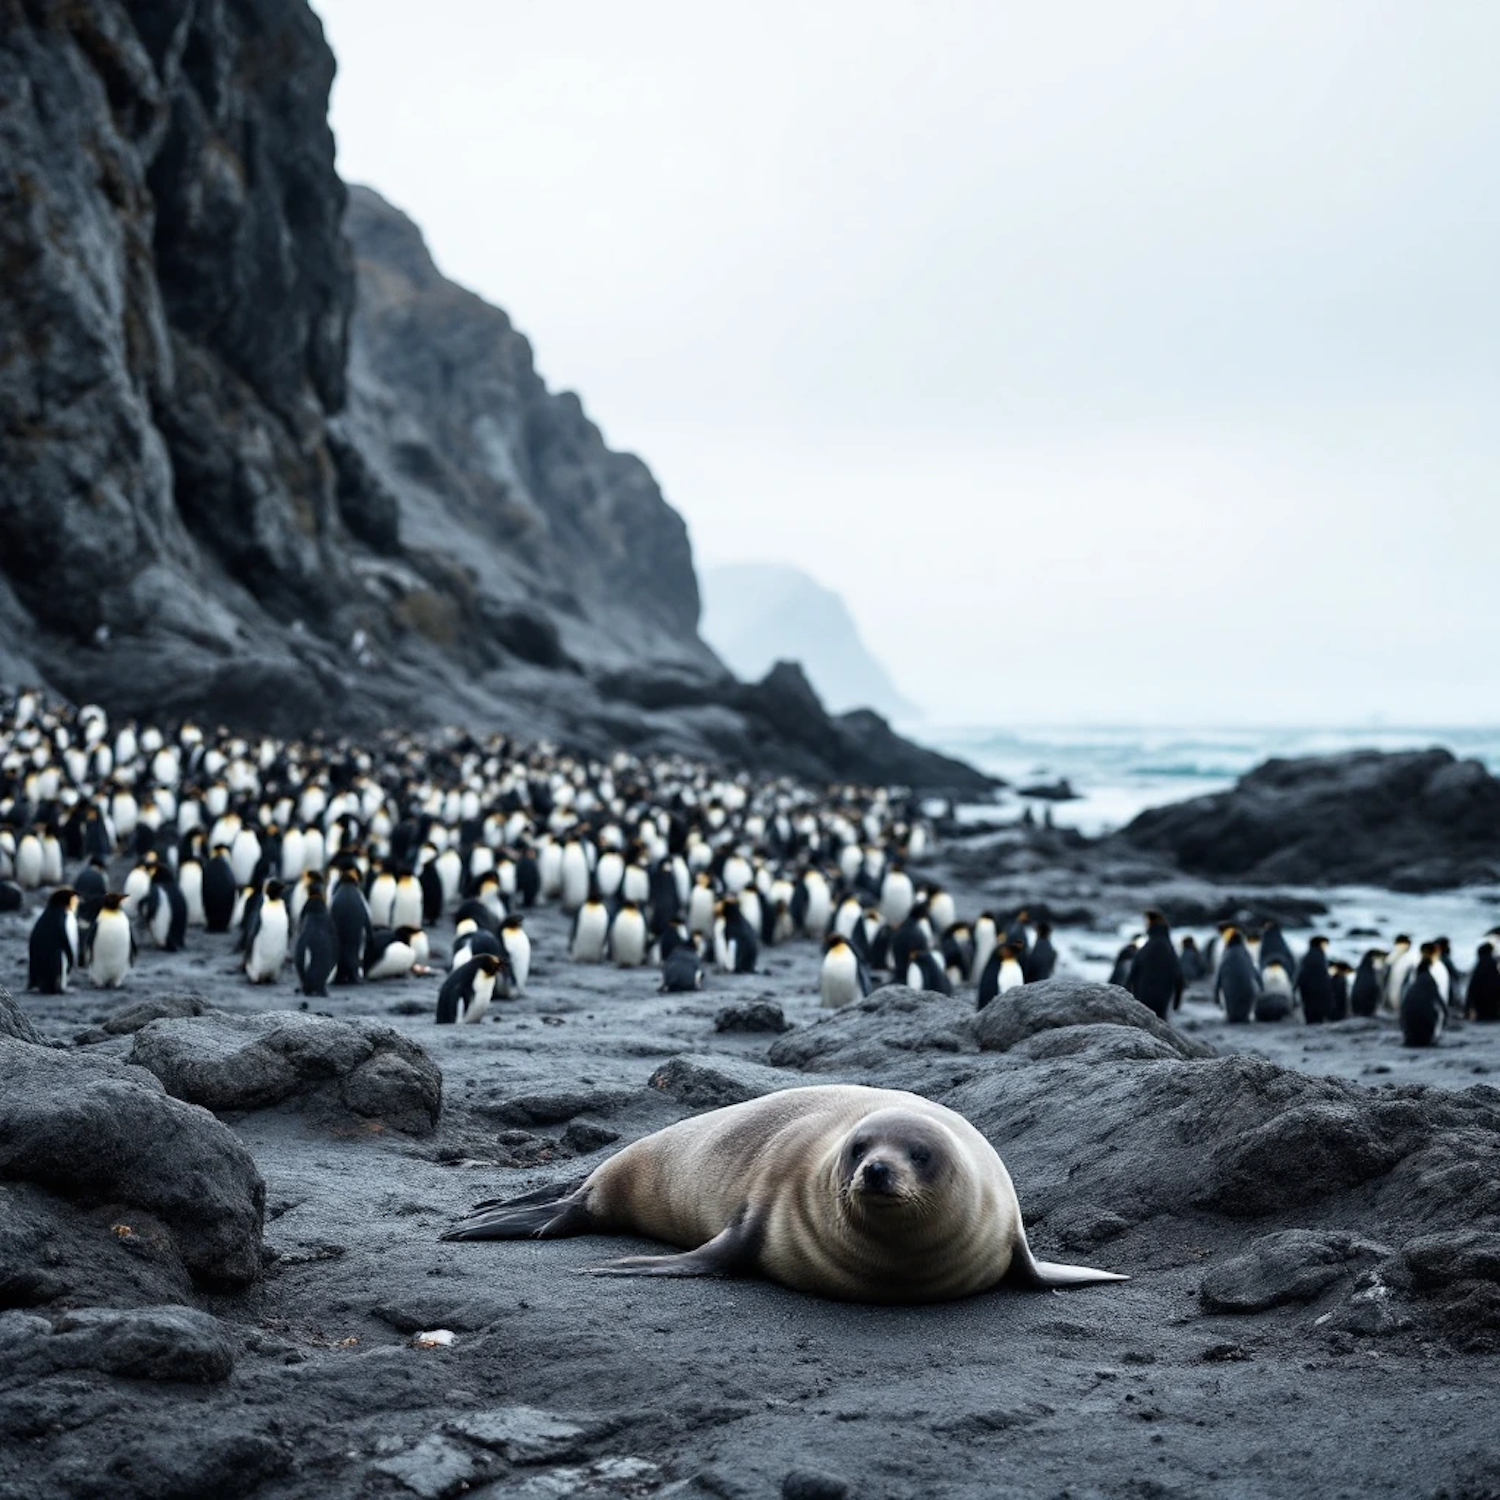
pixel 549 1213
pixel 732 1249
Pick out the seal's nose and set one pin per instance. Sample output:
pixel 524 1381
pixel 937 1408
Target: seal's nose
pixel 877 1177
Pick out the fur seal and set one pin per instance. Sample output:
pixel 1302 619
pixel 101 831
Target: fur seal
pixel 864 1194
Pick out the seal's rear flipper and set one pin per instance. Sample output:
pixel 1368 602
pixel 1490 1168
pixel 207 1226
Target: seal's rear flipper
pixel 1029 1271
pixel 732 1249
pixel 548 1213
pixel 1051 1273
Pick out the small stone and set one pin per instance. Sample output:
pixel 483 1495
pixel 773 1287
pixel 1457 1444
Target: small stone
pixel 752 1015
pixel 813 1484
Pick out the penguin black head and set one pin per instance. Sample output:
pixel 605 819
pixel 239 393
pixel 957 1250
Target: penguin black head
pixel 1154 918
pixel 1486 950
pixel 1188 943
pixel 112 901
pixel 273 890
pixel 1319 942
pixel 406 934
pixel 487 963
pixel 64 896
pixel 1044 929
pixel 1401 937
pixel 834 940
pixel 513 924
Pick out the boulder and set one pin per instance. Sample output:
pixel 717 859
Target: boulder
pixel 1293 1266
pixel 142 1343
pixel 14 1022
pixel 101 1134
pixel 709 1080
pixel 330 1068
pixel 752 1015
pixel 1066 1002
pixel 884 1030
pixel 127 1019
pixel 1413 820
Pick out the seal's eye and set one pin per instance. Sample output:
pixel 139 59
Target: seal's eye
pixel 919 1156
pixel 858 1148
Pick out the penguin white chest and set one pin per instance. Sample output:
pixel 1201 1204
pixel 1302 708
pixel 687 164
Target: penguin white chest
pixel 268 949
pixel 839 983
pixel 109 961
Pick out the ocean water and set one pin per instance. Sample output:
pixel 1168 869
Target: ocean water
pixel 1120 770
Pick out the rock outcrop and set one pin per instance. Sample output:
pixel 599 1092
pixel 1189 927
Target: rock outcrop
pixel 1414 821
pixel 225 500
pixel 93 1152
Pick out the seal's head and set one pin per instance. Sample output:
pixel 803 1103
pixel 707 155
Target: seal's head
pixel 894 1161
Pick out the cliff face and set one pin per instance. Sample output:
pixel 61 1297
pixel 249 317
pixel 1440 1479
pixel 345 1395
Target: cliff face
pixel 176 293
pixel 261 463
pixel 497 476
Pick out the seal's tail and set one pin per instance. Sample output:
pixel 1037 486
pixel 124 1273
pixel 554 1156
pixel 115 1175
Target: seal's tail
pixel 1029 1271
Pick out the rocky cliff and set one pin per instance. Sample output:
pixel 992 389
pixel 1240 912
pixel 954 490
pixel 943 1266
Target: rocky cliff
pixel 259 461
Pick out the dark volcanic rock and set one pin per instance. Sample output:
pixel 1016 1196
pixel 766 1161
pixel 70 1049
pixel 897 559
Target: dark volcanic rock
pixel 101 1134
pixel 707 1081
pixel 14 1022
pixel 1068 1002
pixel 127 1019
pixel 254 1062
pixel 881 1031
pixel 752 1015
pixel 1418 820
pixel 143 1343
pixel 1293 1266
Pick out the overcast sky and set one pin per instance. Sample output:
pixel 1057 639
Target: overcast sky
pixel 1116 362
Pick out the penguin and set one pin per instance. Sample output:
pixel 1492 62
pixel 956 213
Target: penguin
pixel 986 939
pixel 219 891
pixel 1445 971
pixel 627 937
pixel 736 947
pixel 1120 974
pixel 244 854
pixel 1041 960
pixel 268 935
pixel 528 879
pixel 1368 986
pixel 351 921
pixel 1191 959
pixel 111 944
pixel 517 945
pixel 1003 972
pixel 1155 976
pixel 1273 945
pixel 845 917
pixel 1483 997
pixel 165 911
pixel 406 908
pixel 92 885
pixel 54 950
pixel 1274 1003
pixel 1315 983
pixel 190 883
pixel 316 952
pixel 382 898
pixel 843 978
pixel 897 896
pixel 487 894
pixel 913 933
pixel 1338 990
pixel 700 906
pixel 958 952
pixel 575 876
pixel 470 940
pixel 1237 985
pixel 28 861
pixel 1018 932
pixel 391 954
pixel 1399 967
pixel 590 933
pixel 925 971
pixel 467 991
pixel 682 968
pixel 941 911
pixel 480 914
pixel 816 900
pixel 1423 1014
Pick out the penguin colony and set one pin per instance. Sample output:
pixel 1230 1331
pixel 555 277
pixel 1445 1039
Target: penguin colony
pixel 334 864
pixel 1255 977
